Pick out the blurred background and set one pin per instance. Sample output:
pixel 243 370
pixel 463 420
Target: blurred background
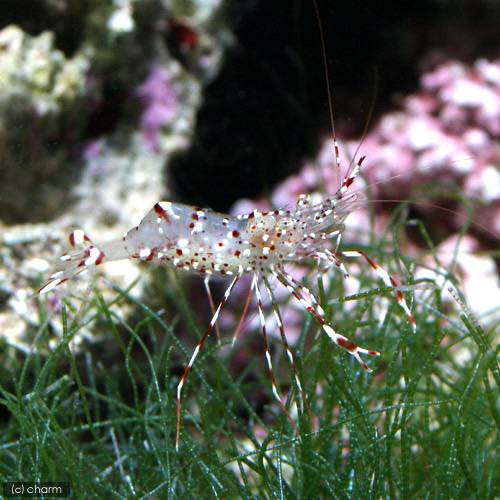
pixel 107 106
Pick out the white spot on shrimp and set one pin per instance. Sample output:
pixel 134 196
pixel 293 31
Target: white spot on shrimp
pixel 49 286
pixel 78 237
pixel 144 253
pixel 93 256
pixel 198 228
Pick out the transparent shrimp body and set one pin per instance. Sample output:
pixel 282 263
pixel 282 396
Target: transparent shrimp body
pixel 189 238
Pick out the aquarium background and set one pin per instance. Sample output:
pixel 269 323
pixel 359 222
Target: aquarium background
pixel 107 106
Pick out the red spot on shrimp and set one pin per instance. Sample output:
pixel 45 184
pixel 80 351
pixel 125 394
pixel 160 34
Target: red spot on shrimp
pixel 220 244
pixel 162 213
pixel 194 216
pixel 100 258
pixel 236 234
pixel 370 261
pixel 347 344
pixel 237 253
pixel 178 251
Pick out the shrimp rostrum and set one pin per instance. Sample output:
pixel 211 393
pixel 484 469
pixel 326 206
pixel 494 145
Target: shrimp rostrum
pixel 259 243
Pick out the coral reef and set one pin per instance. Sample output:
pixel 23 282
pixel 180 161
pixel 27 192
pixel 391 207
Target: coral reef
pixel 42 107
pixel 88 120
pixel 449 131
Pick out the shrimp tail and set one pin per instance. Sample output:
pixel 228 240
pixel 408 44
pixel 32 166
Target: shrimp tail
pixel 86 255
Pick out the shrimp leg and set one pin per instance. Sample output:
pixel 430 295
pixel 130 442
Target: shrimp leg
pixel 202 341
pixel 279 321
pixel 255 286
pixel 308 301
pixel 388 281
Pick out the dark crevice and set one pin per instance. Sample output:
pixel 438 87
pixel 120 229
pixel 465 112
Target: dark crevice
pixel 266 111
pixel 107 112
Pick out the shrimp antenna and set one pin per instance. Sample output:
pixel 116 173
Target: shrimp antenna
pixel 325 66
pixel 328 92
pixel 330 100
pixel 368 118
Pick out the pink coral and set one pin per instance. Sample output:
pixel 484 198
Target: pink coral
pixel 159 101
pixel 450 130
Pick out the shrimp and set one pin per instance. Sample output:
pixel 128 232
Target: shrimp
pixel 258 243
